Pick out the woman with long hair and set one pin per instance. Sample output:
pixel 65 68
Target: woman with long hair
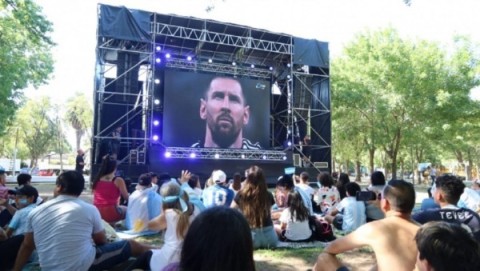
pixel 255 202
pixel 343 179
pixel 236 185
pixel 107 189
pixel 294 224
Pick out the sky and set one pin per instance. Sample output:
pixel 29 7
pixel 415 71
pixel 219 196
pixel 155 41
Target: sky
pixel 333 21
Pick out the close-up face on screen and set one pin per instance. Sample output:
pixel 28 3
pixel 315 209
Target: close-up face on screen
pixel 211 111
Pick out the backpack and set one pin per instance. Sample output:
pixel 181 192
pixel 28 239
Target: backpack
pixel 321 230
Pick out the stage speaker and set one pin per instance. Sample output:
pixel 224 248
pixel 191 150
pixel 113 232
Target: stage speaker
pixel 133 157
pixel 297 160
pixel 141 157
pixel 127 77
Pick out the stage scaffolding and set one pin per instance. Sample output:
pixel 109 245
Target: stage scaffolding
pixel 217 47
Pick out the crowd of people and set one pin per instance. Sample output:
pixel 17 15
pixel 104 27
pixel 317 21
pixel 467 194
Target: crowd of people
pixel 218 227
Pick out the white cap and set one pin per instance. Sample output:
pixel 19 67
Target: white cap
pixel 219 176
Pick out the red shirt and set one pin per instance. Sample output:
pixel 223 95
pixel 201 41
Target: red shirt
pixel 106 193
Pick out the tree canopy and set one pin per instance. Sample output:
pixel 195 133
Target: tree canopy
pixel 25 53
pixel 405 97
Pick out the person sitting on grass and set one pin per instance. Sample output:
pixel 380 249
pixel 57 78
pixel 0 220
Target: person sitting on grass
pixel 294 224
pixel 107 189
pixel 68 234
pixel 349 214
pixel 284 186
pixel 446 246
pixel 218 194
pixel 144 204
pixel 255 202
pixel 391 238
pixel 175 219
pixel 25 199
pixel 327 195
pixel 447 191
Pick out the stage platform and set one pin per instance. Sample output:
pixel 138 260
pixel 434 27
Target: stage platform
pixel 158 163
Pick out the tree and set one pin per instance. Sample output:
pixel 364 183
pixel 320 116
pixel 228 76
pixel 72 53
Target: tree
pixel 25 55
pixel 401 93
pixel 79 115
pixel 37 128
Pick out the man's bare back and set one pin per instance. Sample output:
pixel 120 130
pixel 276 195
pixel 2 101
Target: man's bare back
pixel 392 240
pixel 394 243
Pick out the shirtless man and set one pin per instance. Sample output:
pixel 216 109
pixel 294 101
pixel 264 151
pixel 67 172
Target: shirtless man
pixel 392 238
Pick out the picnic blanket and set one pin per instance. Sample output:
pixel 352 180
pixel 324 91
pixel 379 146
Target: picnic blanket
pixel 130 234
pixel 319 244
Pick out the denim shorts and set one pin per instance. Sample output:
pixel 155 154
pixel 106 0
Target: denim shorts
pixel 111 254
pixel 265 237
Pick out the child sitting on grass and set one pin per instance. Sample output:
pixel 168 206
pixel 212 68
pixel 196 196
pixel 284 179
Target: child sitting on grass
pixel 294 220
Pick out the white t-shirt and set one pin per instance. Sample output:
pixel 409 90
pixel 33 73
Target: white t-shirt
pixel 353 213
pixel 327 197
pixel 296 230
pixel 469 199
pixel 62 230
pixel 172 246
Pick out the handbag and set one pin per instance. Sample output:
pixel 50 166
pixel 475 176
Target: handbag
pixel 321 230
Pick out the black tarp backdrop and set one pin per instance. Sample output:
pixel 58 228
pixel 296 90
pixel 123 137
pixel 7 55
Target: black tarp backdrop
pixel 123 23
pixel 309 52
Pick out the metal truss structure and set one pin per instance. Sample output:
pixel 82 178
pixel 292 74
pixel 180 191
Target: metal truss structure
pixel 226 154
pixel 218 48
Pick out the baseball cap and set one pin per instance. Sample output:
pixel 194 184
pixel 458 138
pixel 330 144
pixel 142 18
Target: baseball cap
pixel 28 190
pixel 219 176
pixel 2 170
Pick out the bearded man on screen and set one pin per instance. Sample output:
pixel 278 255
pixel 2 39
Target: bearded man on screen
pixel 226 112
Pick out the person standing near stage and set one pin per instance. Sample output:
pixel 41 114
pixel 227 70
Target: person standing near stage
pixel 79 162
pixel 115 142
pixel 225 110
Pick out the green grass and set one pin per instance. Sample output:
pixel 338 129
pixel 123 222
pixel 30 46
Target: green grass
pixel 286 258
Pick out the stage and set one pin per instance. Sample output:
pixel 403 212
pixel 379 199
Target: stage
pixel 174 93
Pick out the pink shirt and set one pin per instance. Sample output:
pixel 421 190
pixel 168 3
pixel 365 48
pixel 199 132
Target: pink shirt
pixel 3 192
pixel 106 193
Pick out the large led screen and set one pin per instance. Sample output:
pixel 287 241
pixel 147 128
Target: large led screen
pixel 209 111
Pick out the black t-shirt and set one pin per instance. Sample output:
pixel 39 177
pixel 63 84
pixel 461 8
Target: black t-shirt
pixel 79 160
pixel 462 216
pixel 240 201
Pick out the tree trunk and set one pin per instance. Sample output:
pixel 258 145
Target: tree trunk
pixel 401 169
pixel 357 171
pixel 78 134
pixel 419 157
pixel 371 157
pixel 470 164
pixel 61 162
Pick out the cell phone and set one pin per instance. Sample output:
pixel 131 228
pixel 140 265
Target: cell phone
pixel 366 195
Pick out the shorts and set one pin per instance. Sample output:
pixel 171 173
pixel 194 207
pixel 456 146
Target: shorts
pixel 265 237
pixel 111 213
pixel 111 254
pixel 343 268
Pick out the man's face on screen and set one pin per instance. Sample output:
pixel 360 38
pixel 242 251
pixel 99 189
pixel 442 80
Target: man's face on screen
pixel 225 111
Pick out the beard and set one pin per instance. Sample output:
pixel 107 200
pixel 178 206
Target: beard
pixel 224 131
